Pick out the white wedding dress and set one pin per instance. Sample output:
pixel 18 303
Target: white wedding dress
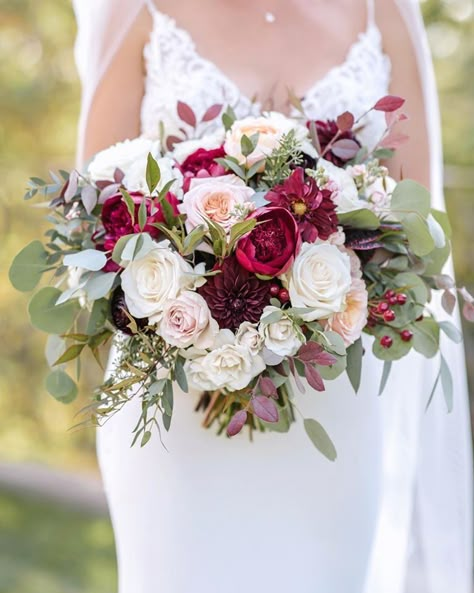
pixel 209 514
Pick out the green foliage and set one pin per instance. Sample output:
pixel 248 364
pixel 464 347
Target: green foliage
pixel 28 266
pixel 49 317
pixel 320 438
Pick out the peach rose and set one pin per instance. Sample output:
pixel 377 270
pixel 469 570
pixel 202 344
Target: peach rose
pixel 224 200
pixel 270 128
pixel 350 322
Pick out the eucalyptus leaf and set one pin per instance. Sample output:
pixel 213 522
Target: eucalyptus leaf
pixel 451 331
pixel 28 266
pixel 320 438
pixel 98 286
pixel 60 385
pixel 418 234
pixel 142 214
pixel 180 374
pixel 55 347
pixel 409 196
pixel 89 259
pixel 425 336
pixel 387 367
pixel 447 384
pixel 354 363
pixel 360 219
pixel 49 317
pixel 98 316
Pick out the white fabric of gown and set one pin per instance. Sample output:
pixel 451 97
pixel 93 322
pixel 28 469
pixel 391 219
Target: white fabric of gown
pixel 209 514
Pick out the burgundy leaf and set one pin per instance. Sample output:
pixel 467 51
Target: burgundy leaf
pixel 389 103
pixel 186 114
pixel 212 112
pixel 265 409
pixel 118 175
pixel 280 369
pixel 394 140
pixel 237 422
pixel 345 121
pixel 468 311
pixel 294 372
pixel 309 351
pixel 314 378
pixel 267 387
pixel 448 301
pixel 313 132
pixel 443 281
pixel 171 141
pixel 325 359
pixel 71 186
pixel 345 149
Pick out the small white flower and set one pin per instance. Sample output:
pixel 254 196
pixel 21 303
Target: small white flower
pixel 231 366
pixel 319 279
pixel 379 194
pixel 187 321
pixel 346 196
pixel 249 336
pixel 151 281
pixel 281 337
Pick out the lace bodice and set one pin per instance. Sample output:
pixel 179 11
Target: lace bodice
pixel 175 71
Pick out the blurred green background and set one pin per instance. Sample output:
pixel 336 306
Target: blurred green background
pixel 44 547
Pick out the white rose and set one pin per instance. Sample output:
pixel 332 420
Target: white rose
pixel 346 196
pixel 187 321
pixel 319 279
pixel 281 337
pixel 150 282
pixel 125 156
pixel 270 127
pixel 231 366
pixel 182 150
pixel 220 199
pixel 249 336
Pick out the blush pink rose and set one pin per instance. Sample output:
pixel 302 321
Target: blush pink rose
pixel 220 199
pixel 350 322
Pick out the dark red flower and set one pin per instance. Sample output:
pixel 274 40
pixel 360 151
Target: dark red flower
pixel 327 130
pixel 235 295
pixel 271 247
pixel 117 221
pixel 202 164
pixel 312 207
pixel 120 313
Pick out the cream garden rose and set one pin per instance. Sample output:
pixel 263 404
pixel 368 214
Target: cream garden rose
pixel 151 281
pixel 187 321
pixel 270 127
pixel 232 366
pixel 350 322
pixel 319 279
pixel 280 337
pixel 220 199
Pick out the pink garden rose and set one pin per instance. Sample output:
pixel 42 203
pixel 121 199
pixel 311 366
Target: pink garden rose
pixel 350 322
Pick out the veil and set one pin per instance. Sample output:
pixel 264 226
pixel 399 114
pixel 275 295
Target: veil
pixel 423 539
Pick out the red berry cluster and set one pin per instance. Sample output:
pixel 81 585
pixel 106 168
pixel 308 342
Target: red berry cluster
pixel 381 312
pixel 280 293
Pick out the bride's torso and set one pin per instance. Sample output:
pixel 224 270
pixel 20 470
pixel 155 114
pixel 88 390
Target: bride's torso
pixel 177 71
pixel 215 503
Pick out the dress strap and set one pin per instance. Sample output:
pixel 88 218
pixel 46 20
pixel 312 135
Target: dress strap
pixel 151 7
pixel 370 13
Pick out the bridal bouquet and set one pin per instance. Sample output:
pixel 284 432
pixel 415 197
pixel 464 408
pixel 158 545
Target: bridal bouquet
pixel 241 259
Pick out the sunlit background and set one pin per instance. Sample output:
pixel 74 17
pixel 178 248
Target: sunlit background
pixel 54 533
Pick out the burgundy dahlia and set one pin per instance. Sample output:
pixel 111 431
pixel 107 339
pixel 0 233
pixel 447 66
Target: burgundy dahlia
pixel 312 207
pixel 201 163
pixel 327 130
pixel 235 295
pixel 271 247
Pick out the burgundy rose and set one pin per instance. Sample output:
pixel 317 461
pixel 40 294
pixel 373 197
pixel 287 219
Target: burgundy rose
pixel 327 130
pixel 235 295
pixel 312 207
pixel 201 163
pixel 270 248
pixel 117 221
